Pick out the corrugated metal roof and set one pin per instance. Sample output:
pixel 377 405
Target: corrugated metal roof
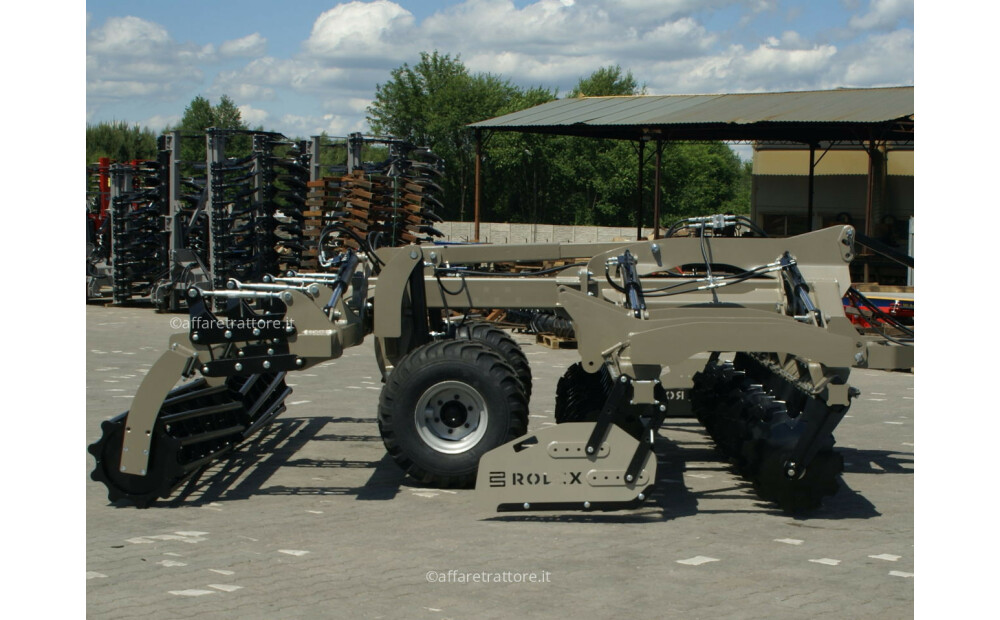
pixel 741 114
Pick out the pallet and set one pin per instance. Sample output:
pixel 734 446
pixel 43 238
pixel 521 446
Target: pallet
pixel 555 342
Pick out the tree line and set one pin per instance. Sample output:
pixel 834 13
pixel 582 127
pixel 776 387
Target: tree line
pixel 526 177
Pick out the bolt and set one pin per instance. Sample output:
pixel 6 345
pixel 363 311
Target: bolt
pixel 663 408
pixel 256 332
pixel 194 337
pixel 289 329
pixel 527 505
pixel 629 478
pixel 433 255
pixel 299 361
pixel 642 496
pixel 586 504
pixel 413 254
pixel 623 379
pixel 859 357
pixel 204 368
pixel 655 247
pixel 192 292
pixel 270 351
pixel 238 366
pixel 266 364
pixel 590 449
pixel 228 334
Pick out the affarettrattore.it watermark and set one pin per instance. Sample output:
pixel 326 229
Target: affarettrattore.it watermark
pixel 457 576
pixel 200 323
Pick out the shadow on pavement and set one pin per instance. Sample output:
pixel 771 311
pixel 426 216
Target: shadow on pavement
pixel 246 471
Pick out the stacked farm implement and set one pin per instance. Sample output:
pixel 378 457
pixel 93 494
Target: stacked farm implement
pixel 138 244
pixel 390 203
pixel 258 205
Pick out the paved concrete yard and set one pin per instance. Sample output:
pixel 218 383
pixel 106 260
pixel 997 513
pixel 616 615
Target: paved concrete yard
pixel 311 520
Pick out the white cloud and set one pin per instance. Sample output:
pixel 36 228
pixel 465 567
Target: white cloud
pixel 361 31
pixel 358 104
pixel 129 36
pixel 294 125
pixel 786 63
pixel 894 52
pixel 673 46
pixel 159 122
pixel 130 58
pixel 246 47
pixel 253 116
pixel 884 15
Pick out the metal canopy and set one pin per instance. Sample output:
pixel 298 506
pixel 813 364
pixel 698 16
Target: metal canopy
pixel 865 116
pixel 849 114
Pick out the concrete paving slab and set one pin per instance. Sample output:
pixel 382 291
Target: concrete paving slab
pixel 313 520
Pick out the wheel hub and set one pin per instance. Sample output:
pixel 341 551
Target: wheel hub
pixel 451 416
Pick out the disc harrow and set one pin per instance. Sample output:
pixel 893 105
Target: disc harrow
pixel 754 335
pixel 773 428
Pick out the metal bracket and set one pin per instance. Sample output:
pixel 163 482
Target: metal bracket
pixel 604 420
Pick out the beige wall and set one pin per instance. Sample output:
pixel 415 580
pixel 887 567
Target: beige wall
pixel 833 162
pixel 501 232
pixel 781 185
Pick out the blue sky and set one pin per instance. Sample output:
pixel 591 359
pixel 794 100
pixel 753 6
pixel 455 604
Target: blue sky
pixel 308 66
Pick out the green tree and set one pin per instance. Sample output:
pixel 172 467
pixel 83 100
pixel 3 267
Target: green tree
pixel 544 178
pixel 576 180
pixel 200 115
pixel 120 142
pixel 430 104
pixel 702 179
pixel 607 81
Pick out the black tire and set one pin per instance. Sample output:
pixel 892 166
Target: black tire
pixel 450 385
pixel 500 341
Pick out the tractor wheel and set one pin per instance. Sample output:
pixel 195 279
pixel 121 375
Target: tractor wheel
pixel 501 342
pixel 446 404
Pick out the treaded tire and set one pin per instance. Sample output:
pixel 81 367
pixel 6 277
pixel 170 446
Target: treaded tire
pixel 500 341
pixel 417 398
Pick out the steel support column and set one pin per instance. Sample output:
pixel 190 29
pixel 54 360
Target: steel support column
pixel 479 187
pixel 638 211
pixel 656 190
